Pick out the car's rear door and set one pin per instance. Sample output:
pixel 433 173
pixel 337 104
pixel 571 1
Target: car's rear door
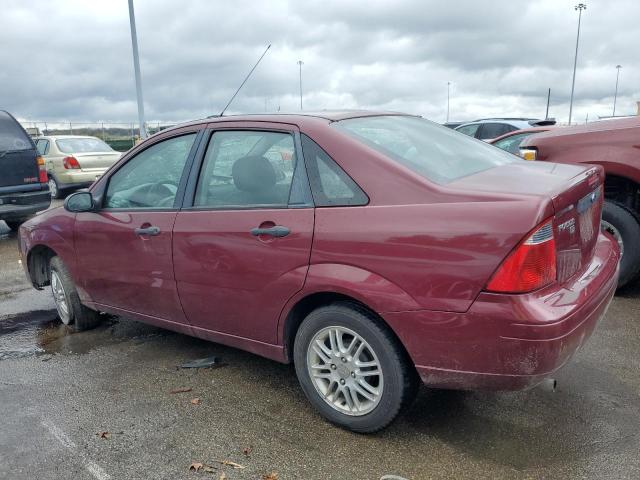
pixel 124 248
pixel 242 241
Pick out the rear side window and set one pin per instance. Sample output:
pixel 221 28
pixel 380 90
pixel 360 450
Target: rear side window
pixel 330 185
pixel 42 146
pixel 433 151
pixel 494 130
pixel 469 129
pixel 511 144
pixel 12 137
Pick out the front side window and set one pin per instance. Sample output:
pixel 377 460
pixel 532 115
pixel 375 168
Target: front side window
pixel 511 144
pixel 151 178
pixel 246 169
pixel 433 151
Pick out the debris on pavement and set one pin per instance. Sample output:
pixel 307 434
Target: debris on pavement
pixel 106 435
pixel 199 466
pixel 231 464
pixel 247 450
pixel 195 401
pixel 270 476
pixel 209 362
pixel 181 390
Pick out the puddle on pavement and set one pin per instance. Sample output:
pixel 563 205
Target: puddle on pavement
pixel 40 332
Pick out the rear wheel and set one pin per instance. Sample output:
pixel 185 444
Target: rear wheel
pixel 54 188
pixel 352 369
pixel 65 296
pixel 623 225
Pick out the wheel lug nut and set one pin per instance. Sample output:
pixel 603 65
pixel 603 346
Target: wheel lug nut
pixel 342 381
pixel 353 374
pixel 343 359
pixel 333 366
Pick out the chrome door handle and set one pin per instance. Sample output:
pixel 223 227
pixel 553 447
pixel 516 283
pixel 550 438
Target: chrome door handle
pixel 275 231
pixel 152 231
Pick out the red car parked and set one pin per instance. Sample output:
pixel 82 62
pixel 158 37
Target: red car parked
pixel 369 249
pixel 613 144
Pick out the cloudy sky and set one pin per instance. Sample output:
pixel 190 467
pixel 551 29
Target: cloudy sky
pixel 71 60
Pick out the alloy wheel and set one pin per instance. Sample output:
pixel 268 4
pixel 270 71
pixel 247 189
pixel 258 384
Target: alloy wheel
pixel 345 370
pixel 60 298
pixel 53 187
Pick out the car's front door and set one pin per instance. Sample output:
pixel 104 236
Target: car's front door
pixel 124 248
pixel 242 243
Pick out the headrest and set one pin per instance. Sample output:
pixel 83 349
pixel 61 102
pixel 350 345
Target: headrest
pixel 253 174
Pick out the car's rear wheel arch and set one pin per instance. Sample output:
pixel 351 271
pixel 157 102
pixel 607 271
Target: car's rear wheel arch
pixel 38 260
pixel 624 191
pixel 313 301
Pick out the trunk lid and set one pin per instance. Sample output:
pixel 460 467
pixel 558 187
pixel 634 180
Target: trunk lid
pixel 96 161
pixel 575 191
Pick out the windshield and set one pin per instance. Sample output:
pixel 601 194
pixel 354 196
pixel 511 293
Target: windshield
pixel 433 151
pixel 12 136
pixel 82 145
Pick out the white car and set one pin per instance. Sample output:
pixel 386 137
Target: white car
pixel 74 161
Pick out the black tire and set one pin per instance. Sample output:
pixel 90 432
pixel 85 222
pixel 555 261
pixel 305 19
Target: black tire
pixel 54 188
pixel 15 224
pixel 400 377
pixel 627 227
pixel 79 317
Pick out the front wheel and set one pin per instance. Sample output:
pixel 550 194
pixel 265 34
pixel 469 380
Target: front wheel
pixel 65 296
pixel 352 368
pixel 623 225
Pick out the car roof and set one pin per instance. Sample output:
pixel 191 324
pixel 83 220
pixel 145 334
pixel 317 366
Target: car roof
pixel 524 130
pixel 60 137
pixel 520 124
pixel 295 118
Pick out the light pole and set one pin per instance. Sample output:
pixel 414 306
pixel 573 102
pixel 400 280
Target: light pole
pixel 136 68
pixel 300 63
pixel 448 85
pixel 615 97
pixel 579 8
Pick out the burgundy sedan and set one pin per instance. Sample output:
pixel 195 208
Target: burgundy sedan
pixel 372 250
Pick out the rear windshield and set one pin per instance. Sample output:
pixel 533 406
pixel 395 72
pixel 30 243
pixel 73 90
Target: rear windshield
pixel 12 136
pixel 82 145
pixel 433 151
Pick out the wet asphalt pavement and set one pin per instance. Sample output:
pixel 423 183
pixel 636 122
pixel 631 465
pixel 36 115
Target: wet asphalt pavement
pixel 60 391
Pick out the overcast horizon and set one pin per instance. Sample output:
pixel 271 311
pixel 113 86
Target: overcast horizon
pixel 71 60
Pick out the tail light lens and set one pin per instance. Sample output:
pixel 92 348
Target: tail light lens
pixel 42 170
pixel 530 266
pixel 70 163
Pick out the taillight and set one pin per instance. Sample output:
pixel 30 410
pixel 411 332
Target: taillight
pixel 42 170
pixel 530 266
pixel 528 153
pixel 70 163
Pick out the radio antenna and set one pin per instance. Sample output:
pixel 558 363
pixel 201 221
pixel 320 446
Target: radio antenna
pixel 245 80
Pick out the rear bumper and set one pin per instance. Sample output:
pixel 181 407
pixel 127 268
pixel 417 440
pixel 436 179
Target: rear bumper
pixel 19 205
pixel 73 179
pixel 511 342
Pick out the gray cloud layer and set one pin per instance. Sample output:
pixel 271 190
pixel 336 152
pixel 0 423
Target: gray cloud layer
pixel 71 60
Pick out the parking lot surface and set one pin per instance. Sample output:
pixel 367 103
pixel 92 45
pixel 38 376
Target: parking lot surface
pixel 99 404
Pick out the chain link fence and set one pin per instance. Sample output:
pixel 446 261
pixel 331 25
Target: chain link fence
pixel 121 136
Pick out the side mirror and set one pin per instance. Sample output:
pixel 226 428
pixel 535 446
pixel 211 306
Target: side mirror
pixel 79 202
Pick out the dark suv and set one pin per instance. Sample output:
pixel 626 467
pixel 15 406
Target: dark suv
pixel 23 175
